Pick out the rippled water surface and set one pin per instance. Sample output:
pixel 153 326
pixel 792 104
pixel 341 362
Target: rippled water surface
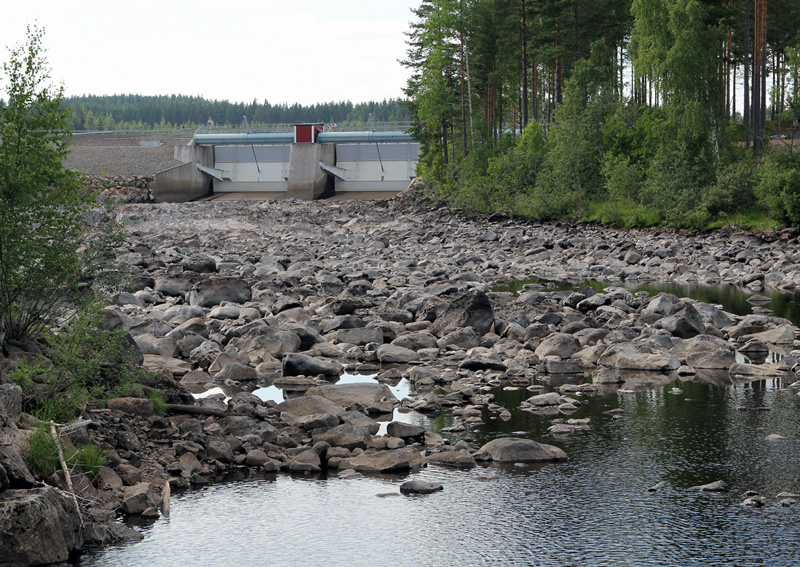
pixel 594 510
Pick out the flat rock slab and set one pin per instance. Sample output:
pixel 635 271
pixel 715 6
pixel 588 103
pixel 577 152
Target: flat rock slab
pixel 420 487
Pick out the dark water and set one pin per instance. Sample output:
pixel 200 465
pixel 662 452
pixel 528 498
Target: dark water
pixel 594 510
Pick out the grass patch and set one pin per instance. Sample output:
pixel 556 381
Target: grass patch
pixel 622 214
pixel 41 458
pixel 159 402
pixel 748 220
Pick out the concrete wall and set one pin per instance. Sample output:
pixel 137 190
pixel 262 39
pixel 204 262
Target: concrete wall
pixel 184 182
pixel 306 180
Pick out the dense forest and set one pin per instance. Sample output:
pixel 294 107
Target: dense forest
pixel 628 112
pixel 137 112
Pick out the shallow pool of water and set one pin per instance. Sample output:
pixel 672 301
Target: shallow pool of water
pixel 593 510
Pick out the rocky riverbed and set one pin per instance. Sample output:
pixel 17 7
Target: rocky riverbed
pixel 241 295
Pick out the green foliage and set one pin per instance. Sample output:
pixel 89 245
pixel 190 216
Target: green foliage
pixel 778 187
pixel 41 458
pixel 732 191
pixel 88 459
pixel 90 364
pixel 622 213
pixel 159 402
pixel 44 258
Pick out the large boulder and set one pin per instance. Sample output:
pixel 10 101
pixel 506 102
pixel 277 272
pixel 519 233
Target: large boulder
pixel 558 344
pixel 270 340
pixel 296 364
pixel 471 309
pixel 388 461
pixel 10 403
pixel 397 354
pixel 516 450
pixel 683 321
pixel 639 356
pixel 139 497
pixel 310 405
pixel 17 474
pixel 38 526
pixel 376 398
pixel 345 435
pixel 213 291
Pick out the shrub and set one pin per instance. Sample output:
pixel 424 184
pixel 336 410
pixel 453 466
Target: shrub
pixel 778 187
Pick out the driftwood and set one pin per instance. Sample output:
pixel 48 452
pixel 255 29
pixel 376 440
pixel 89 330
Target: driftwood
pixel 195 410
pixel 64 469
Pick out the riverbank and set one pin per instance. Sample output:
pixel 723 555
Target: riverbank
pixel 242 295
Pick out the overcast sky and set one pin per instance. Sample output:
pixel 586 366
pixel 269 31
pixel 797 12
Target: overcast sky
pixel 302 51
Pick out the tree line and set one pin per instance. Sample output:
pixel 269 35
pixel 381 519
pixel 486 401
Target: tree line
pixel 630 111
pixel 139 112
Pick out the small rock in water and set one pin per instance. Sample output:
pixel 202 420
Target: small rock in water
pixel 420 487
pixel 754 501
pixel 758 299
pixel 676 391
pixel 716 486
pixel 776 437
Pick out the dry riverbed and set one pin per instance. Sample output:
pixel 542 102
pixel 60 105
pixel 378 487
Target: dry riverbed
pixel 241 295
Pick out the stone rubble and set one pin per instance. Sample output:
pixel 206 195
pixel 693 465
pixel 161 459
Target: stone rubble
pixel 240 295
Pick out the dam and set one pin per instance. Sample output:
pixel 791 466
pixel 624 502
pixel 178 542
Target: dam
pixel 309 162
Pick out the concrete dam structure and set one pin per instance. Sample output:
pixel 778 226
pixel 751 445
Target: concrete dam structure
pixel 307 163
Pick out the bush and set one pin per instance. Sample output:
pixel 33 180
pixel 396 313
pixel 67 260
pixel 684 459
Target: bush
pixel 778 187
pixel 732 192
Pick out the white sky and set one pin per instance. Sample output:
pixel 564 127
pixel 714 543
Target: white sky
pixel 301 51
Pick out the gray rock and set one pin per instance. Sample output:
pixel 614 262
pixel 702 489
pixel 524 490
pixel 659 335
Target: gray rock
pixel 10 403
pixel 376 398
pixel 297 364
pixel 515 450
pixel 275 342
pixel 639 356
pixel 131 406
pixel 716 486
pixel 558 344
pixel 394 353
pixel 452 458
pixel 213 291
pixel 138 498
pixel 38 526
pixel 307 461
pixel 16 472
pixel 471 309
pixel 420 487
pixel 236 372
pixel 387 461
pixel 309 405
pixel 346 435
pixel 405 430
pixel 683 321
